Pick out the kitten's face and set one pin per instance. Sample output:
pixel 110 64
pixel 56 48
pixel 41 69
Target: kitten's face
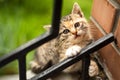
pixel 74 26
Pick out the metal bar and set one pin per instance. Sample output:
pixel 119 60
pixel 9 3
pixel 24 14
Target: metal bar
pixel 22 67
pixel 66 63
pixel 56 17
pixel 24 49
pixel 85 67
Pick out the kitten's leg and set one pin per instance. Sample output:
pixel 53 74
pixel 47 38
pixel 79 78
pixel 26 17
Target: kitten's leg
pixel 37 67
pixel 40 62
pixel 70 52
pixel 93 69
pixel 73 50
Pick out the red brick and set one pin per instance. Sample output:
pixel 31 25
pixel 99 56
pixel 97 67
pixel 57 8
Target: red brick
pixel 104 14
pixel 117 34
pixel 112 59
pixel 109 56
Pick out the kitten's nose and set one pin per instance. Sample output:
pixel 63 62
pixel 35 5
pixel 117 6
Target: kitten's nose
pixel 74 32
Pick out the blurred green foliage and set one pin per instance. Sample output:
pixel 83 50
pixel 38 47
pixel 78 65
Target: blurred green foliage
pixel 23 20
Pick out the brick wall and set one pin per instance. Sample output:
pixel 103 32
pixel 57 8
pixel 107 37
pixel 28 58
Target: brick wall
pixel 105 18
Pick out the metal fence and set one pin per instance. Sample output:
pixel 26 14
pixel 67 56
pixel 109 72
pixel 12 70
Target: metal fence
pixel 21 52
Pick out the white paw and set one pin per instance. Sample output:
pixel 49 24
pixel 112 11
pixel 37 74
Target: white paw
pixel 93 69
pixel 72 51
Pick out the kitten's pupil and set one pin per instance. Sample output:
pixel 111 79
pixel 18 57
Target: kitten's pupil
pixel 66 31
pixel 76 24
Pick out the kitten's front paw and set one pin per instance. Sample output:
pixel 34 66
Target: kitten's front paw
pixel 72 51
pixel 93 69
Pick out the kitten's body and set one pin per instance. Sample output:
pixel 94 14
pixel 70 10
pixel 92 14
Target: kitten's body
pixel 74 35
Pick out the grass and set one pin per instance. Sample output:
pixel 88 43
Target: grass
pixel 21 22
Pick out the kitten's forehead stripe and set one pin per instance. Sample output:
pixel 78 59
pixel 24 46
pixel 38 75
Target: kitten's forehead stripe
pixel 68 24
pixel 67 18
pixel 74 18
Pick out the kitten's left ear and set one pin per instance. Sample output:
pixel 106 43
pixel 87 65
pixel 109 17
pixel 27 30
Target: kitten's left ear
pixel 77 10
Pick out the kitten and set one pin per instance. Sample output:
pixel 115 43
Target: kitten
pixel 74 34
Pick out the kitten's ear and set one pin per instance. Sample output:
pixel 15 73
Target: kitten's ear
pixel 77 10
pixel 47 27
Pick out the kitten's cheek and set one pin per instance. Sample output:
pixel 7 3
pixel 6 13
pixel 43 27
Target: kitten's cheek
pixel 80 32
pixel 73 51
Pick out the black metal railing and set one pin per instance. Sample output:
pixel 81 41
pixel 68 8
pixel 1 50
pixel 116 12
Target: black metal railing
pixel 21 52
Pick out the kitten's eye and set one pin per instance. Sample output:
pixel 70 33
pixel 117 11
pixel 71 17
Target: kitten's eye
pixel 76 24
pixel 66 31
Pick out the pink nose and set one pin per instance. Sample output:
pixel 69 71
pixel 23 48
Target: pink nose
pixel 74 32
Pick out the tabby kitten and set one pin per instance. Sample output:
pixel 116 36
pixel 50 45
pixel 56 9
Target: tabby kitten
pixel 74 35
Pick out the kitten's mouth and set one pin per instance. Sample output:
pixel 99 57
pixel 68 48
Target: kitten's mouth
pixel 77 36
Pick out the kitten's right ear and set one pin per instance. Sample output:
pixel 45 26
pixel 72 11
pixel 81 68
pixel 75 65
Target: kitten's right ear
pixel 77 10
pixel 47 27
